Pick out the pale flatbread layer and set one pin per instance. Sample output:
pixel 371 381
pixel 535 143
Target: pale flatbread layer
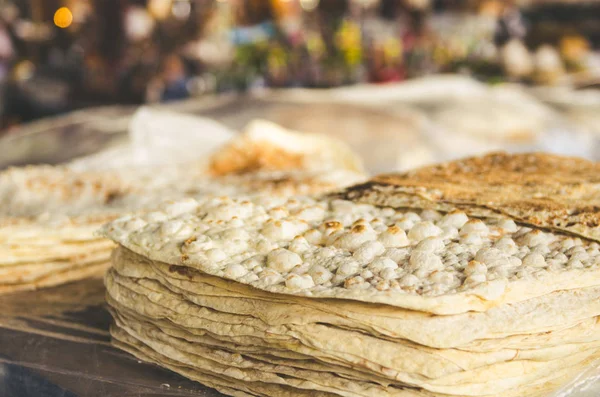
pixel 554 312
pixel 300 285
pixel 18 253
pixel 433 369
pixel 50 214
pixel 330 248
pixel 511 374
pixel 31 271
pixel 37 232
pixel 317 341
pixel 96 269
pixel 138 349
pixel 261 352
pixel 237 388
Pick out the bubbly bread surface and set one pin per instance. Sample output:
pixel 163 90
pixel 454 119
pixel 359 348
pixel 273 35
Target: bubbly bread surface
pixel 52 196
pixel 338 248
pixel 477 277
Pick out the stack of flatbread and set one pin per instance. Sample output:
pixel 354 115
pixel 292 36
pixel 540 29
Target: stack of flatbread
pixel 478 277
pixel 49 215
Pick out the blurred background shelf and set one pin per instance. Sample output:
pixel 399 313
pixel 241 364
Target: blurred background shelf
pixel 58 56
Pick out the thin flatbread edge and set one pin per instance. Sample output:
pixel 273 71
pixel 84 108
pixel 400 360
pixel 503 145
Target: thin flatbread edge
pixel 125 342
pixel 72 274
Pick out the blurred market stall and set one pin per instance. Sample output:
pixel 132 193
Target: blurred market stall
pixel 60 55
pixel 393 127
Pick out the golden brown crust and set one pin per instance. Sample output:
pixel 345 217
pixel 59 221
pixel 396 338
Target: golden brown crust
pixel 544 190
pixel 241 158
pixel 265 146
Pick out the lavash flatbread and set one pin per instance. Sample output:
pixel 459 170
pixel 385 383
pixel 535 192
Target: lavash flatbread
pixel 48 215
pixel 548 191
pixel 138 349
pixel 143 305
pixel 398 360
pixel 293 363
pixel 535 316
pixel 95 269
pixel 17 253
pixel 21 273
pixel 280 297
pixel 517 279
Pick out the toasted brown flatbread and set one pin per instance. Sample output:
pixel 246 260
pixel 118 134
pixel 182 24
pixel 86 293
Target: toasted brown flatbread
pixel 548 191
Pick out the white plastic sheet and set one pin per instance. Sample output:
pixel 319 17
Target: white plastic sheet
pixel 159 137
pixel 587 384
